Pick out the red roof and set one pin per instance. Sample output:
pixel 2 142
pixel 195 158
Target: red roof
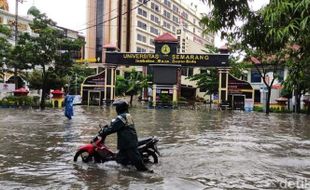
pixel 57 92
pixel 283 99
pixel 166 37
pixel 224 47
pixel 277 86
pixel 255 60
pixel 21 90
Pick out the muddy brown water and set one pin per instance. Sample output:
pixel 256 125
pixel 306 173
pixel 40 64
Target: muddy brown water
pixel 200 149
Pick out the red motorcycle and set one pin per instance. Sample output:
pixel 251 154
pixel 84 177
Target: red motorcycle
pixel 98 152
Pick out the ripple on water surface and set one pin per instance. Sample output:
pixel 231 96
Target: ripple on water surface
pixel 200 150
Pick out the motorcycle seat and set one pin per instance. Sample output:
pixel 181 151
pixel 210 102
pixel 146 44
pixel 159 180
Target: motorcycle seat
pixel 144 141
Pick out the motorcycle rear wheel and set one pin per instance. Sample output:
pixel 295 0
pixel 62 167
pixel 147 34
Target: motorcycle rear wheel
pixel 150 157
pixel 84 155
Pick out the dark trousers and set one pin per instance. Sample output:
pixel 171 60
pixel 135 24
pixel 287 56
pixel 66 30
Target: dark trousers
pixel 131 156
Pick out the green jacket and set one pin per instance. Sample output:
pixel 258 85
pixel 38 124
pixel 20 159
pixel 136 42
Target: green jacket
pixel 124 126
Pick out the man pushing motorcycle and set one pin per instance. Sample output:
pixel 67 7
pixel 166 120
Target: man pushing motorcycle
pixel 127 139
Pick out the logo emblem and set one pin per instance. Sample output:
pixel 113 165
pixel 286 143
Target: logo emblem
pixel 165 49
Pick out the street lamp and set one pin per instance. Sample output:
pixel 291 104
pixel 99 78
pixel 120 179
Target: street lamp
pixel 16 38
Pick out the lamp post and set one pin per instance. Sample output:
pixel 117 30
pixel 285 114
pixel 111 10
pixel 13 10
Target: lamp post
pixel 16 39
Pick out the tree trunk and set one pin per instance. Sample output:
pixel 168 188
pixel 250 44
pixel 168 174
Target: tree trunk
pixel 44 77
pixel 298 103
pixel 131 98
pixel 288 104
pixel 42 104
pixel 297 99
pixel 268 100
pixel 15 78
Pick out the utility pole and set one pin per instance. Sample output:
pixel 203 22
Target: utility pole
pixel 16 40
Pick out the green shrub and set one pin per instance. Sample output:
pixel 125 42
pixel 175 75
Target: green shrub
pixel 18 101
pixel 258 108
pixel 164 98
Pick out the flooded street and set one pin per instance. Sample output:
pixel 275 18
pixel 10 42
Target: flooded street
pixel 200 150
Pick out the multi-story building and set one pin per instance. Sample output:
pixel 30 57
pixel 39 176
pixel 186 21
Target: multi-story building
pixel 9 19
pixel 132 25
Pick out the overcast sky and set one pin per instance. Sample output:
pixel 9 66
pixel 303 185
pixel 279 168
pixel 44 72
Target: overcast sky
pixel 72 13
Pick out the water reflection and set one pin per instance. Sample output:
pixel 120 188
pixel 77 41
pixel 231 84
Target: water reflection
pixel 201 149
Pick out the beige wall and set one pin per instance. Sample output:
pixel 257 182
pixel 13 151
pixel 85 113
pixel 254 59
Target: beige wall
pixel 91 32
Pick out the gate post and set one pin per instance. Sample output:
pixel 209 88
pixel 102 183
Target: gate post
pixel 223 85
pixel 154 95
pixel 110 77
pixel 109 87
pixel 175 94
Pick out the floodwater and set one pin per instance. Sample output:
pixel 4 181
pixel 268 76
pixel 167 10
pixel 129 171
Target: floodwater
pixel 200 150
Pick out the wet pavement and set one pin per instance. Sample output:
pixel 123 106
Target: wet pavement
pixel 200 149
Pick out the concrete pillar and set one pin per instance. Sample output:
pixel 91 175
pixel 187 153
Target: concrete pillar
pixel 175 94
pixel 223 85
pixel 109 87
pixel 154 95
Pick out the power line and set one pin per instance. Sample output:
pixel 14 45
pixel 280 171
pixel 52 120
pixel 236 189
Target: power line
pixel 92 20
pixel 115 16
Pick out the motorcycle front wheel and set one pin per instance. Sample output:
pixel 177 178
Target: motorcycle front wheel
pixel 84 155
pixel 150 157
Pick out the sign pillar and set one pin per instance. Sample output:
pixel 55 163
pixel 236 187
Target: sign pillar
pixel 223 85
pixel 109 87
pixel 110 76
pixel 154 95
pixel 175 94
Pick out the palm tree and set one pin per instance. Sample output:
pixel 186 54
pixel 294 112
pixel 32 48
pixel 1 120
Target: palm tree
pixel 132 85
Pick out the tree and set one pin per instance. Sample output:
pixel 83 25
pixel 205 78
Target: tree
pixel 298 77
pixel 293 31
pixel 209 79
pixel 49 50
pixel 4 46
pixel 132 85
pixel 265 67
pixel 76 76
pixel 268 30
pixel 121 86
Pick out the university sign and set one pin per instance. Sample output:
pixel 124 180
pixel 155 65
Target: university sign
pixel 144 59
pixel 165 64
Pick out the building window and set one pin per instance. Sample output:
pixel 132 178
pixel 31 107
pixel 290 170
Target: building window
pixel 142 25
pixel 167 3
pixel 173 29
pixel 142 1
pixel 175 9
pixel 155 19
pixel 142 12
pixel 152 42
pixel 184 15
pixel 175 19
pixel 167 25
pixel 187 72
pixel 167 14
pixel 255 76
pixel 140 49
pixel 190 72
pixel 281 76
pixel 185 25
pixel 141 38
pixel 257 96
pixel 155 7
pixel 154 30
